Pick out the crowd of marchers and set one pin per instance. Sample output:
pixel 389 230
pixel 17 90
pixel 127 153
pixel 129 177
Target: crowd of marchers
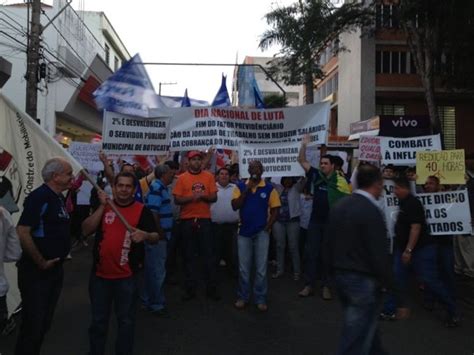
pixel 147 226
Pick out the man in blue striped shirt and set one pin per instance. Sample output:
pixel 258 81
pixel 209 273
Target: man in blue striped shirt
pixel 158 201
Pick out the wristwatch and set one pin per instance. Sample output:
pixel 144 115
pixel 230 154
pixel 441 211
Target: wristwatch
pixel 408 250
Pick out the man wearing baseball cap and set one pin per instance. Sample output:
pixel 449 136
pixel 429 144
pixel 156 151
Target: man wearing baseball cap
pixel 195 190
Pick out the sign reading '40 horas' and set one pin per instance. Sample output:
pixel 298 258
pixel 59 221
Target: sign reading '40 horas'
pixel 447 165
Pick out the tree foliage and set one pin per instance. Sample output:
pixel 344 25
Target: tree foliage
pixel 275 101
pixel 303 30
pixel 440 35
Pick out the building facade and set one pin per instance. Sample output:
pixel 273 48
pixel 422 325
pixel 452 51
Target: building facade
pixel 294 94
pixel 376 76
pixel 79 50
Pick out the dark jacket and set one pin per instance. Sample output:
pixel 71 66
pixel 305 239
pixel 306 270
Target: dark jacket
pixel 357 240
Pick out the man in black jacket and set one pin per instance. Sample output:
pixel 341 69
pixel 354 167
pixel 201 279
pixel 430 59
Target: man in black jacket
pixel 357 254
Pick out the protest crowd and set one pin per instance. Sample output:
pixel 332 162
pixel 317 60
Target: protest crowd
pixel 184 213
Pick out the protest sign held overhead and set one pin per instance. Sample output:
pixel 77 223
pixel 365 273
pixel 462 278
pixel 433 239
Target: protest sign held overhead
pixel 200 128
pixel 123 134
pixel 402 151
pixel 369 148
pixel 447 213
pixel 447 165
pixel 277 159
pixel 87 154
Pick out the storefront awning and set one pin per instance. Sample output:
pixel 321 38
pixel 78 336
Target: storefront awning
pixel 355 136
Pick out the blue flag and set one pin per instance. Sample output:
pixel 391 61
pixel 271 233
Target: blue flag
pixel 258 98
pixel 249 92
pixel 186 102
pixel 222 97
pixel 129 90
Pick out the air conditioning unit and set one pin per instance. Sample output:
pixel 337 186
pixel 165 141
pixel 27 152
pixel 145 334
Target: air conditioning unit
pixel 71 65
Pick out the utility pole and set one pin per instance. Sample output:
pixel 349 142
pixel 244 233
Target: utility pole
pixel 32 59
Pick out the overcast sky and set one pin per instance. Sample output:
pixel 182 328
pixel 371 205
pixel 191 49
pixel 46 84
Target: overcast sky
pixel 205 31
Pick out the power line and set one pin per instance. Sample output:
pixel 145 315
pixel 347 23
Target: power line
pixel 72 48
pixel 3 10
pixel 66 65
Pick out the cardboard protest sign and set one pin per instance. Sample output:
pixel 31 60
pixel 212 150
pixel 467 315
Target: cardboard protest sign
pixel 402 151
pixel 226 127
pixel 448 165
pixel 277 159
pixel 124 134
pixel 369 148
pixel 87 154
pixel 447 213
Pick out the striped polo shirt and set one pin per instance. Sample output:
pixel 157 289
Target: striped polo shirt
pixel 158 201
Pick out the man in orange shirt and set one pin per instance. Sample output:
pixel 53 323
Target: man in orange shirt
pixel 195 190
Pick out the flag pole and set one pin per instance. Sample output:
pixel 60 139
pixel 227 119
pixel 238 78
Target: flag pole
pixel 109 201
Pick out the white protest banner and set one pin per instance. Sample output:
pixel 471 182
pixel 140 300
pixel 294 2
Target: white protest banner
pixel 277 159
pixel 402 151
pixel 447 213
pixel 87 154
pixel 124 134
pixel 389 204
pixel 201 127
pixel 369 148
pixel 313 156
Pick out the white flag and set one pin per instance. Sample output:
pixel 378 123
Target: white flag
pixel 24 149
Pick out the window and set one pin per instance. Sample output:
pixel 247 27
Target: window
pixel 385 62
pixel 378 16
pixel 116 63
pixel 395 62
pixel 386 16
pixel 390 62
pixel 107 54
pixel 447 116
pixel 390 110
pixel 329 87
pixel 412 65
pixel 378 61
pixel 403 62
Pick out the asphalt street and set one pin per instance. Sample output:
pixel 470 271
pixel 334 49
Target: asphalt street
pixel 291 326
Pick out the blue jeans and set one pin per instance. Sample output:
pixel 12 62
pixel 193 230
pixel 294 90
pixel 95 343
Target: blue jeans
pixel 424 262
pixel 123 294
pixel 313 265
pixel 253 248
pixel 282 230
pixel 446 271
pixel 153 292
pixel 361 302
